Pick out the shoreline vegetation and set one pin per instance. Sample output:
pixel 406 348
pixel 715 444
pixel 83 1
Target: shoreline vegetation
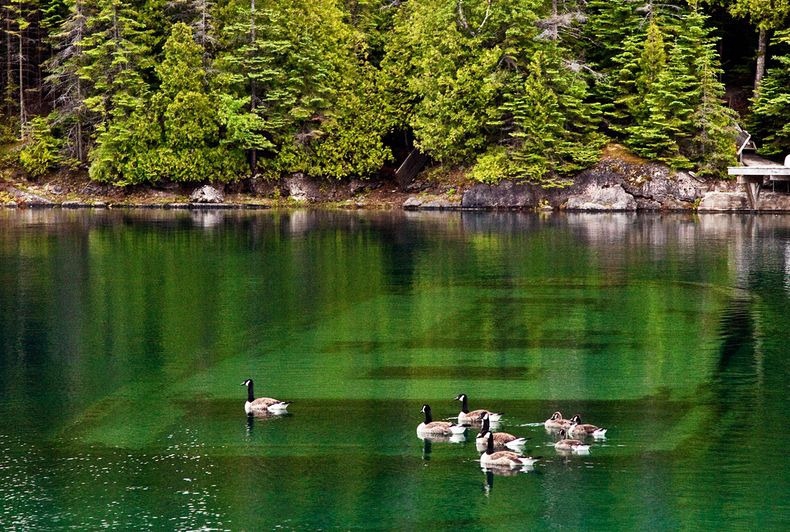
pixel 530 104
pixel 618 182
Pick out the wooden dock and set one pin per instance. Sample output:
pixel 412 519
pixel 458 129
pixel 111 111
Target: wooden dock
pixel 755 171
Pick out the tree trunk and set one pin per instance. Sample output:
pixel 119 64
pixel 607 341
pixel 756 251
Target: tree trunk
pixel 22 115
pixel 762 47
pixel 253 152
pixel 9 63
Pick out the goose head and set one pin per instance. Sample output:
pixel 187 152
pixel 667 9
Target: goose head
pixel 460 397
pixel 247 382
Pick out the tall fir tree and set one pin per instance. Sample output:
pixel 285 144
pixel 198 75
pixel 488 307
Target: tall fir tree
pixel 683 120
pixel 68 87
pixel 769 121
pixel 116 56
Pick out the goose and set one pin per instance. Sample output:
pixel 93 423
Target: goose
pixel 556 422
pixel 503 458
pixel 501 439
pixel 566 444
pixel 262 405
pixel 475 416
pixel 579 429
pixel 429 427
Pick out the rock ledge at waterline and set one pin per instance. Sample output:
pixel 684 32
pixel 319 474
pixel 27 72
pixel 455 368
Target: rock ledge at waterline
pixel 617 185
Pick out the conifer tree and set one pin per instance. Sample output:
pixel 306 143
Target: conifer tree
pixel 551 130
pixel 683 120
pixel 448 64
pixel 770 120
pixel 66 84
pixel 116 54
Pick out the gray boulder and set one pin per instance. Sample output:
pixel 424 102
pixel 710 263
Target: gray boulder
pixel 597 197
pixel 207 194
pixel 300 188
pixel 505 195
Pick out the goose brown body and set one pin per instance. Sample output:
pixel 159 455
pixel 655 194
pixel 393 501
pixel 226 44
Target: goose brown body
pixel 429 427
pixel 491 458
pixel 570 444
pixel 262 405
pixel 467 416
pixel 579 429
pixel 502 440
pixel 556 422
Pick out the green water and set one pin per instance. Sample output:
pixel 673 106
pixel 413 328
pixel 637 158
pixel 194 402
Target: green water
pixel 125 335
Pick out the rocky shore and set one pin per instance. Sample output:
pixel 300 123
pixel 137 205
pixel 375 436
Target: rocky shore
pixel 617 183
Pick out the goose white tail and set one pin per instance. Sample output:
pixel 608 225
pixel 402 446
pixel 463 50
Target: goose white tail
pixel 582 449
pixel 599 434
pixel 493 417
pixel 457 429
pixel 516 445
pixel 278 408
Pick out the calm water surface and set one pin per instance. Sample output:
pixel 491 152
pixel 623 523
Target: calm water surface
pixel 124 337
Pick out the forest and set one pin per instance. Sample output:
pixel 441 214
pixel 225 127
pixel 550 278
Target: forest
pixel 169 91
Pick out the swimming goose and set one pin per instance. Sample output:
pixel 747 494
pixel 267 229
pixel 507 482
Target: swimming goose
pixel 501 439
pixel 567 444
pixel 556 422
pixel 503 458
pixel 475 416
pixel 429 427
pixel 579 429
pixel 262 405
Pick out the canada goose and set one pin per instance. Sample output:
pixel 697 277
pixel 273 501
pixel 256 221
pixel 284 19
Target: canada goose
pixel 262 405
pixel 501 439
pixel 566 444
pixel 578 429
pixel 556 422
pixel 503 458
pixel 475 416
pixel 429 427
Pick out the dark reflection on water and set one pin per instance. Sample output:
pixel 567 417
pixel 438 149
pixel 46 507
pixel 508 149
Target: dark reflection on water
pixel 124 335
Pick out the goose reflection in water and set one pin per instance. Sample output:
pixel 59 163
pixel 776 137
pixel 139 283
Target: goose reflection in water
pixel 428 441
pixel 491 472
pixel 261 417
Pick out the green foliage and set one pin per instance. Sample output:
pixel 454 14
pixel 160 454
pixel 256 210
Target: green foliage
pixel 770 120
pixel 447 72
pixel 196 90
pixel 492 166
pixel 551 131
pixel 177 137
pixel 676 112
pixel 41 151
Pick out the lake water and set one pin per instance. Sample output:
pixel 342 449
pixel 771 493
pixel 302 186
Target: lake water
pixel 125 336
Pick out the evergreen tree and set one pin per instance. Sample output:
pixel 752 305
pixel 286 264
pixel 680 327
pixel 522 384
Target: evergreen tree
pixel 770 121
pixel 41 151
pixel 294 63
pixel 683 120
pixel 448 64
pixel 552 131
pixel 116 53
pixel 65 82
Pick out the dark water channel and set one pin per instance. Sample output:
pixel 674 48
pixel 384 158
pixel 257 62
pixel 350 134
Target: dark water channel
pixel 125 335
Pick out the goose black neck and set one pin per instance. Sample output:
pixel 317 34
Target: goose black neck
pixel 486 425
pixel 250 394
pixel 428 417
pixel 464 405
pixel 490 446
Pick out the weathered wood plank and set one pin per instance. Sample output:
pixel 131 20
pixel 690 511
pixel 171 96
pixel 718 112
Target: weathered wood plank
pixel 759 170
